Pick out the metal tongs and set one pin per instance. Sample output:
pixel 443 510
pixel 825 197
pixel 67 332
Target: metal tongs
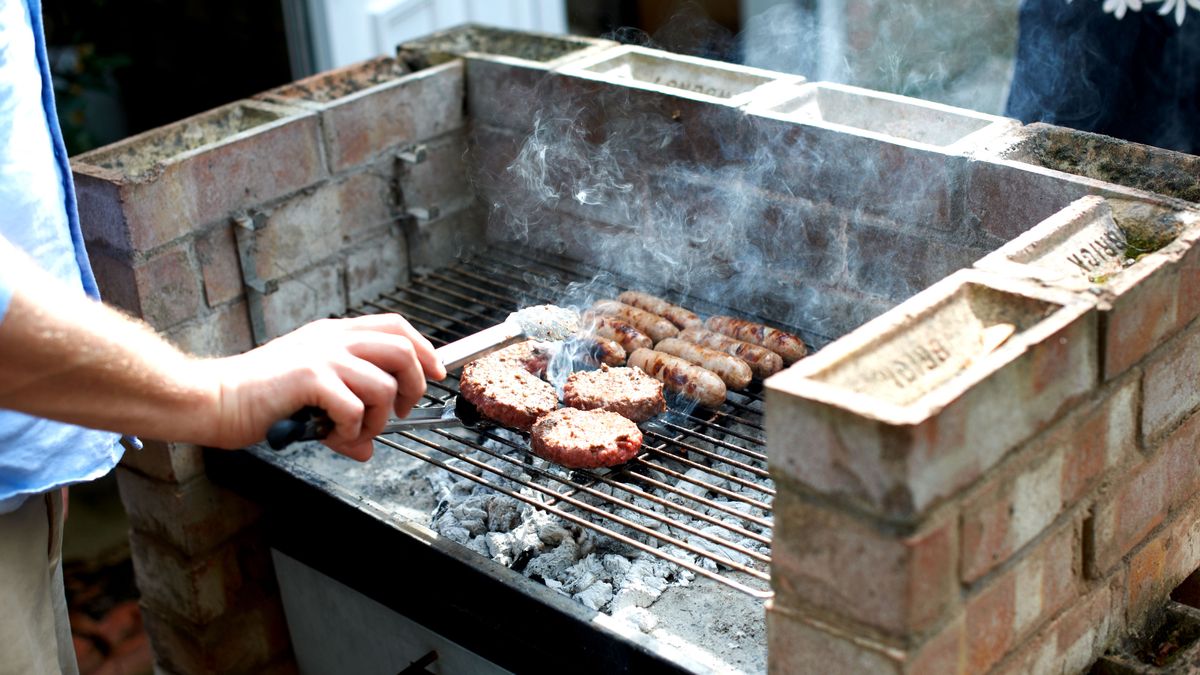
pixel 312 424
pixel 540 322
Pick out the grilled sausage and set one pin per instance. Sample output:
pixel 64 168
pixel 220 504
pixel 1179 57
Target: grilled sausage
pixel 762 361
pixel 619 331
pixel 653 325
pixel 599 350
pixel 734 372
pixel 681 377
pixel 788 346
pixel 679 316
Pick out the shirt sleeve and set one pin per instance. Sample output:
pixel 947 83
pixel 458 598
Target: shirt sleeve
pixel 6 280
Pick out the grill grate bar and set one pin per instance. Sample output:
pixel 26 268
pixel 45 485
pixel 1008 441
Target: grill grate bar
pixel 587 489
pixel 703 474
pixel 593 510
pixel 582 522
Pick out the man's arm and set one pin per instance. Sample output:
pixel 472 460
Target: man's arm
pixel 66 357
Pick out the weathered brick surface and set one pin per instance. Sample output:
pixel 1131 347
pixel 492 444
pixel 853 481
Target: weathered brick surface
pixel 194 516
pixel 442 178
pixel 169 462
pixel 1074 640
pixel 116 280
pixel 191 190
pixel 1168 383
pixel 219 264
pixel 313 227
pixel 1010 607
pixel 900 470
pixel 1140 319
pixel 241 643
pixel 168 287
pixel 378 265
pixel 315 294
pixel 199 588
pixel 990 188
pixel 1144 497
pixel 854 569
pixel 1059 467
pixel 372 122
pixel 437 243
pixel 798 644
pixel 1163 562
pixel 220 332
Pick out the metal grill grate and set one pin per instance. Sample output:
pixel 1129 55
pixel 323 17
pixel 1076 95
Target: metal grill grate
pixel 700 482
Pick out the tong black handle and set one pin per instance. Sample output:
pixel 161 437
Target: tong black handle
pixel 307 424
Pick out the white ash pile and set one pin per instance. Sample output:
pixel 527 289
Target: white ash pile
pixel 596 570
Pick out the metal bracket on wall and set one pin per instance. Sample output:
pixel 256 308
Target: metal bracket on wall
pixel 246 225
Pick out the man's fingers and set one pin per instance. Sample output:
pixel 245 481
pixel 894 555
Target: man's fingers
pixel 374 387
pixel 397 325
pixel 395 355
pixel 345 408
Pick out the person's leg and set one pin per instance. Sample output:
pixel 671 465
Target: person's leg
pixel 31 591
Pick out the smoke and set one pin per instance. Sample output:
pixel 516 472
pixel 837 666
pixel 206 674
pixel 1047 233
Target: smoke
pixel 719 210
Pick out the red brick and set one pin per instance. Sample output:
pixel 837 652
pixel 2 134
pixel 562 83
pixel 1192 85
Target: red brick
pixel 1126 514
pixel 368 204
pixel 219 265
pixel 368 124
pixel 899 464
pixel 1169 388
pixel 314 294
pixel 945 652
pixel 1070 643
pixel 849 567
pixel 194 516
pixel 220 332
pixel 87 654
pixel 797 645
pixel 1057 469
pixel 1188 307
pixel 116 281
pixel 199 588
pixel 990 617
pixel 139 211
pixel 1139 320
pixel 168 287
pixel 241 642
pixel 990 189
pixel 1145 575
pixel 442 178
pixel 377 266
pixel 440 242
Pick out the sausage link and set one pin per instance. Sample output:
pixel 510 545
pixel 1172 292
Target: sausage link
pixel 677 315
pixel 619 331
pixel 653 325
pixel 599 350
pixel 762 361
pixel 734 372
pixel 788 346
pixel 681 377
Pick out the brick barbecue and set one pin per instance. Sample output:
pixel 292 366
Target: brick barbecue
pixel 989 465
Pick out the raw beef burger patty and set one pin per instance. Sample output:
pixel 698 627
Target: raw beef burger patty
pixel 585 439
pixel 625 391
pixel 506 392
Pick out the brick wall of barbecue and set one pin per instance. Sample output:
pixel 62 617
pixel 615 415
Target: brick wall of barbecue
pixel 1061 550
pixel 207 587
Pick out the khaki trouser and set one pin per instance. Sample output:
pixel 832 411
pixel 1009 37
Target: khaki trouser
pixel 35 635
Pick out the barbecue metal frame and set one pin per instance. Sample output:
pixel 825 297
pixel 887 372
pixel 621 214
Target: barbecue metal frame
pixel 474 294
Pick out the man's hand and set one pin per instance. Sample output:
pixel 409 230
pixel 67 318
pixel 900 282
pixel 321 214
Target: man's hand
pixel 68 358
pixel 358 370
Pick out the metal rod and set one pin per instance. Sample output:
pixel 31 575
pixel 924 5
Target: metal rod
pixel 584 506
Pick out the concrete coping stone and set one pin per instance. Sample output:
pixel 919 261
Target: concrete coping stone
pixel 475 41
pixel 141 158
pixel 1098 244
pixel 1104 159
pixel 678 75
pixel 358 80
pixel 887 117
pixel 904 367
